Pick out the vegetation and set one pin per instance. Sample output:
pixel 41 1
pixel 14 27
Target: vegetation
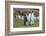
pixel 20 23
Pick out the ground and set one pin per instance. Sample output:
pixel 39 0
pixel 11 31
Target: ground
pixel 20 23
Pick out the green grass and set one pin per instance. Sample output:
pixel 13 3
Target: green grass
pixel 20 23
pixel 36 23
